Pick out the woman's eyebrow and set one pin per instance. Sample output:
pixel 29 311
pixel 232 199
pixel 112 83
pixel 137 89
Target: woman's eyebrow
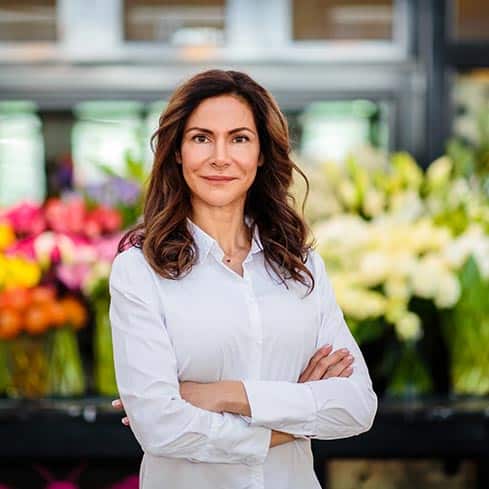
pixel 232 131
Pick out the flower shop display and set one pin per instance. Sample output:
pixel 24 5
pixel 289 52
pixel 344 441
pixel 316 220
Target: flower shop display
pixel 66 245
pixel 40 354
pixel 408 254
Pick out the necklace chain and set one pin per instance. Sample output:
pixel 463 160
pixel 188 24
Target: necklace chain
pixel 228 257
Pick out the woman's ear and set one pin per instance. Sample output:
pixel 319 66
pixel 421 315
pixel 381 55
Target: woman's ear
pixel 260 160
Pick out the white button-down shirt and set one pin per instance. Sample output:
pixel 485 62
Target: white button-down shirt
pixel 214 325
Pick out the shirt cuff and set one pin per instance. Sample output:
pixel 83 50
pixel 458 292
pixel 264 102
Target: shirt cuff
pixel 280 404
pixel 252 442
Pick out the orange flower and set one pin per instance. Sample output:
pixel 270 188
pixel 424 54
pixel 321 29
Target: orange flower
pixel 36 319
pixel 10 323
pixel 56 313
pixel 76 314
pixel 42 294
pixel 16 298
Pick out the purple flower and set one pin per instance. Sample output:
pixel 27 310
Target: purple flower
pixel 114 191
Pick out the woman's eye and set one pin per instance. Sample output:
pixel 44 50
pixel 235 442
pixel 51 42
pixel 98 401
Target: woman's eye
pixel 200 138
pixel 245 138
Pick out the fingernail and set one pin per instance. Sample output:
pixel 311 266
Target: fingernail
pixel 326 347
pixel 115 403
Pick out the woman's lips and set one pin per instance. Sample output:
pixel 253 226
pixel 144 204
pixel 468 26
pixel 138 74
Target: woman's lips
pixel 219 179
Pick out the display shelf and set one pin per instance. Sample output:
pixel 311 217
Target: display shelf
pixel 73 429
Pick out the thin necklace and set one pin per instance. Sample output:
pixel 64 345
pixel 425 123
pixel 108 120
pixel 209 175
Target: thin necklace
pixel 228 258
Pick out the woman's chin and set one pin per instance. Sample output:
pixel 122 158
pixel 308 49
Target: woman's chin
pixel 224 201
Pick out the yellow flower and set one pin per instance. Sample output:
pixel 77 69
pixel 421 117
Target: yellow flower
pixel 408 327
pixel 348 194
pixel 3 270
pixel 448 292
pixel 21 273
pixel 373 202
pixel 438 173
pixel 7 236
pixel 408 170
pixel 357 303
pixel 397 288
pixel 395 309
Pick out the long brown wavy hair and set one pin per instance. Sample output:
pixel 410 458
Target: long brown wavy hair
pixel 166 242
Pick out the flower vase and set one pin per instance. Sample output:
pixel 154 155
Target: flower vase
pixel 411 377
pixel 66 376
pixel 468 343
pixel 27 359
pixel 105 382
pixel 466 334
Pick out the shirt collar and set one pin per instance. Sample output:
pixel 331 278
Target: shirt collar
pixel 206 243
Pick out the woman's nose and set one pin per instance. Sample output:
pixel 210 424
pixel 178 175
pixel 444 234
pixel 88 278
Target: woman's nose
pixel 221 154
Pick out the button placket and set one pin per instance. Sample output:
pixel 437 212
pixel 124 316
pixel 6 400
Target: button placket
pixel 255 324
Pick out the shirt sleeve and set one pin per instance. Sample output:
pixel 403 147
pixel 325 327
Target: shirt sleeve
pixel 336 407
pixel 164 423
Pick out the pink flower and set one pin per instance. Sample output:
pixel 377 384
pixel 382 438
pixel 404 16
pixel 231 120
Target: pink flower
pixel 23 247
pixel 110 220
pixel 107 247
pixel 66 216
pixel 26 218
pixel 52 248
pixel 73 276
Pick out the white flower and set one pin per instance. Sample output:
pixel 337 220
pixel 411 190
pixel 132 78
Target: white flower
pixel 374 268
pixel 439 171
pixel 348 194
pixel 474 241
pixel 360 304
pixel 373 202
pixel 427 275
pixel 43 247
pixel 397 288
pixel 448 292
pixel 66 248
pixel 408 327
pixel 406 206
pixel 395 309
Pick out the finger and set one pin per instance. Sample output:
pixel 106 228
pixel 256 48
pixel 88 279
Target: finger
pixel 336 369
pixel 346 372
pixel 326 363
pixel 325 350
pixel 117 403
pixel 125 421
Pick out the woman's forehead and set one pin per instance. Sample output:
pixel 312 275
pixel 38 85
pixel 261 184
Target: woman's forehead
pixel 223 113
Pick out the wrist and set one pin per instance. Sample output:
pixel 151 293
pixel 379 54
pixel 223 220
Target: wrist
pixel 233 398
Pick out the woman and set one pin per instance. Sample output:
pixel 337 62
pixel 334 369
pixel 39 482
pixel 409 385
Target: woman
pixel 230 350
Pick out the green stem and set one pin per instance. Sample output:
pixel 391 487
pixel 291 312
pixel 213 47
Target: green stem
pixel 104 361
pixel 66 370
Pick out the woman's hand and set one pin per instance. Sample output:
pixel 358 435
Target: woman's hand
pixel 117 403
pixel 322 365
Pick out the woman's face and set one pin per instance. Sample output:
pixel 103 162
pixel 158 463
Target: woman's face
pixel 220 139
